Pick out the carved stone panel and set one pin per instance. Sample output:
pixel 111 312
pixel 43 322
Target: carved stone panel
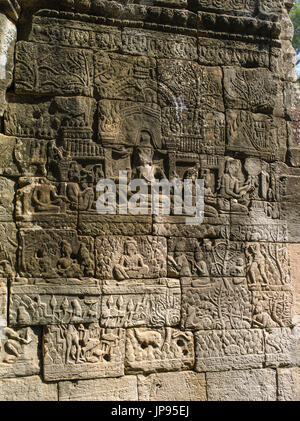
pixel 19 354
pixel 43 70
pixel 219 303
pixel 141 303
pixel 253 90
pixel 69 33
pixel 130 78
pixel 256 134
pixel 36 302
pixel 187 257
pixel 55 253
pixel 267 266
pixel 124 258
pixel 158 45
pixel 185 84
pixel 232 52
pixel 218 350
pixel 82 351
pixel 165 349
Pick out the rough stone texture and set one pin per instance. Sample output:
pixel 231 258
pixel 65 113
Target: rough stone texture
pixel 27 389
pixel 288 384
pixel 118 389
pixel 8 34
pixel 138 305
pixel 19 353
pixel 253 385
pixel 185 386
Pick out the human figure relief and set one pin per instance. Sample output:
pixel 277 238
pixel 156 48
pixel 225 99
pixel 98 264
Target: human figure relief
pixel 145 169
pixel 14 344
pixel 131 263
pixel 46 199
pixel 256 266
pixel 233 189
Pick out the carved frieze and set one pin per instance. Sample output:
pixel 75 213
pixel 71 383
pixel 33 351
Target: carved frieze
pixel 165 349
pixel 141 303
pixel 82 351
pixel 42 70
pixel 218 350
pixel 122 258
pixel 37 302
pixel 55 254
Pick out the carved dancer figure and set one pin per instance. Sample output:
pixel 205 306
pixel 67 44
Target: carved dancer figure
pixel 256 264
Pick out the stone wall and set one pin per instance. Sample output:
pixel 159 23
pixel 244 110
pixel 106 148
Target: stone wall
pixel 124 307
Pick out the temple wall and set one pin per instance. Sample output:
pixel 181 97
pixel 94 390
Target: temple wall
pixel 147 307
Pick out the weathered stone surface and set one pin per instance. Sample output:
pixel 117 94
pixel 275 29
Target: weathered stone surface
pixel 254 90
pixel 229 349
pixel 8 35
pixel 43 118
pixel 104 296
pixel 251 385
pixel 40 302
pixel 288 384
pixel 3 305
pixel 159 45
pixel 117 389
pixel 19 353
pixel 55 253
pixel 294 251
pixel 130 78
pixel 232 53
pixel 189 85
pixel 11 8
pixel 256 134
pixel 27 389
pixel 184 386
pixel 7 193
pixel 70 33
pixel 223 303
pixel 282 348
pixel 141 303
pixel 98 352
pixel 8 247
pixel 154 350
pixel 123 258
pixel 44 70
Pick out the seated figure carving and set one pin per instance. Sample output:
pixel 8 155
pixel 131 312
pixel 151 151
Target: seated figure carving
pixel 232 189
pixel 131 263
pixel 46 199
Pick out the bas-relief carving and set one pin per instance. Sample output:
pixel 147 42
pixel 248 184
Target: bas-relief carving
pixel 36 302
pixel 82 351
pixel 18 352
pixel 165 349
pixel 140 295
pixel 124 258
pixel 141 303
pixel 55 253
pixel 43 70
